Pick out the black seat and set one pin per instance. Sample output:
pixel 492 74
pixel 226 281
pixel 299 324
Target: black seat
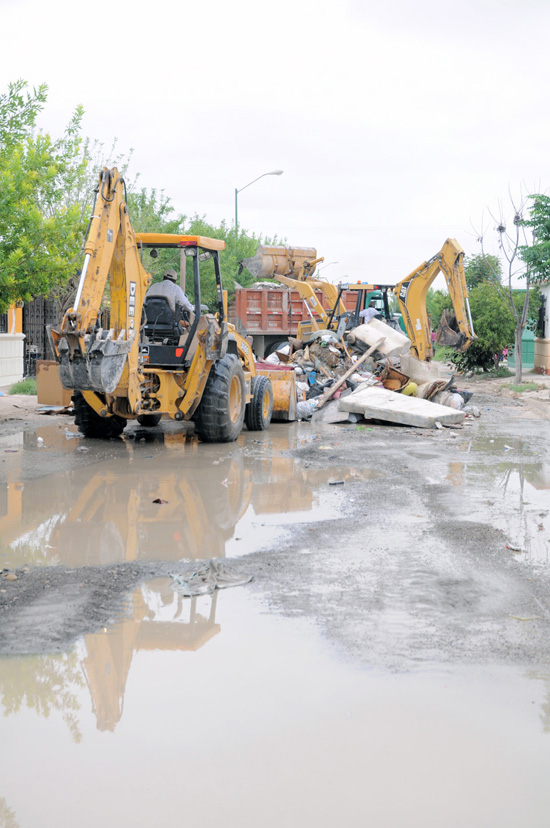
pixel 161 324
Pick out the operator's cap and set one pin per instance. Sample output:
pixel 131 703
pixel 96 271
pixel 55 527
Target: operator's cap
pixel 171 274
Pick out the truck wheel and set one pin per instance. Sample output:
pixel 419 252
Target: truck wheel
pixel 149 420
pixel 90 424
pixel 259 410
pixel 220 415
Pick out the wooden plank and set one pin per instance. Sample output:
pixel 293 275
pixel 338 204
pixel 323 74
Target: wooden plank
pixel 328 394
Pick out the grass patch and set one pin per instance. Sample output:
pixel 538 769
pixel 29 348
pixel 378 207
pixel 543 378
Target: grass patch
pixel 499 373
pixel 26 386
pixel 525 386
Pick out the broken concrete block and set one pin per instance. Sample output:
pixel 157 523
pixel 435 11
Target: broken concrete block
pixel 395 343
pixel 420 371
pixel 381 404
pixel 332 413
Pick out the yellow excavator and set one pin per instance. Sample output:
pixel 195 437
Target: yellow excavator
pixel 152 361
pixel 411 293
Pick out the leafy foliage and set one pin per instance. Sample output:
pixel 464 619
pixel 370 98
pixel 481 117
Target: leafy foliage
pixel 494 326
pixel 436 302
pixel 482 268
pixel 40 229
pixel 537 255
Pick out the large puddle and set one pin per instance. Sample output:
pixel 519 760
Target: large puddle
pixel 211 712
pixel 155 496
pixel 510 482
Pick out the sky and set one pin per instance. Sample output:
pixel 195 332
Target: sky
pixel 397 124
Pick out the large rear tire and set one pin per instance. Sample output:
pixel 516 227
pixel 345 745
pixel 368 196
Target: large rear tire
pixel 220 415
pixel 90 424
pixel 149 420
pixel 260 408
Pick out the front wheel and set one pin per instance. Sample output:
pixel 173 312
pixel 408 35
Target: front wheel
pixel 220 415
pixel 260 408
pixel 90 424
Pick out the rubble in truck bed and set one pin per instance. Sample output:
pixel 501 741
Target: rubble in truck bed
pixel 369 374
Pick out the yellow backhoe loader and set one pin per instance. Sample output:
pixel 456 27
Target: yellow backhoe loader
pixel 151 361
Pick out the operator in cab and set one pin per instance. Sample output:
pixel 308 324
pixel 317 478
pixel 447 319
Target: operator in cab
pixel 370 313
pixel 171 291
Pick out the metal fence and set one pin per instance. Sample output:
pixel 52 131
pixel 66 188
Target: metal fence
pixel 36 316
pixel 4 323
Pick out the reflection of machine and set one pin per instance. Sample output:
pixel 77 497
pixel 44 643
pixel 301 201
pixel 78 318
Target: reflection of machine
pixel 160 620
pixel 202 371
pixel 116 519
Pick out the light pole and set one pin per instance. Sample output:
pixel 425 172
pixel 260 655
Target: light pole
pixel 237 191
pixel 327 265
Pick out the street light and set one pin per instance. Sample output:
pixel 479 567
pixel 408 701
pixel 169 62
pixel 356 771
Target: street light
pixel 273 172
pixel 327 265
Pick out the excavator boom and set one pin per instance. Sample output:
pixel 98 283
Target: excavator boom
pixel 412 293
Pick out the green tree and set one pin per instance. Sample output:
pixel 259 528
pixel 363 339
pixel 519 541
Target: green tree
pixel 482 268
pixel 40 228
pixel 436 302
pixel 537 255
pixel 494 326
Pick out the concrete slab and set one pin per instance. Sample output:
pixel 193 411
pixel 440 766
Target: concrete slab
pixel 332 413
pixel 381 404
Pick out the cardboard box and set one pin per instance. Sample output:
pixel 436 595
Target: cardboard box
pixel 48 385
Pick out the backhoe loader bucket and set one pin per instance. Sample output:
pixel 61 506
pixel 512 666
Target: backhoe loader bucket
pixel 100 369
pixel 448 335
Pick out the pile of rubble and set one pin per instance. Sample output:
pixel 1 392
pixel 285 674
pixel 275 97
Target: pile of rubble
pixel 369 373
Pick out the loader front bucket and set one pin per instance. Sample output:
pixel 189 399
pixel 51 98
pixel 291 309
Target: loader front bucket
pixel 99 369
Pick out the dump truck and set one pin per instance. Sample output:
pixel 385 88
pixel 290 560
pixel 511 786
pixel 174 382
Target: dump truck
pixel 269 314
pixel 152 361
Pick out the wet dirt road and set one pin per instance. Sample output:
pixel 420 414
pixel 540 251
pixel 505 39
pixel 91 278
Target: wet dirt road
pixel 388 664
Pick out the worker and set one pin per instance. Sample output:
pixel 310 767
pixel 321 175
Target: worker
pixel 369 313
pixel 170 289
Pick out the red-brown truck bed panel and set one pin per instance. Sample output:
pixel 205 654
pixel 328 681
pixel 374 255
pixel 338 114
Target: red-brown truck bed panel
pixel 263 311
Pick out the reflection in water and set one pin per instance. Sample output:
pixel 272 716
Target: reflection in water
pixel 518 497
pixel 160 620
pixel 7 816
pixel 105 514
pixel 156 618
pixel 44 683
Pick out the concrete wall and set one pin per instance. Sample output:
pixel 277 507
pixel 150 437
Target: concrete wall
pixel 11 358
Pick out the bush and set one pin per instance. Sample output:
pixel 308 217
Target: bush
pixel 26 386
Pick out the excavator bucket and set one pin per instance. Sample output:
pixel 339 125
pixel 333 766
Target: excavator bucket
pixel 100 368
pixel 448 333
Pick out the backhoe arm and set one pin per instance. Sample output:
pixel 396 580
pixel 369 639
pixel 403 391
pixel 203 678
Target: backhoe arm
pixel 90 358
pixel 412 293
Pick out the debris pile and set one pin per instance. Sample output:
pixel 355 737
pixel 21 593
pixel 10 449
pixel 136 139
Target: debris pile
pixel 369 373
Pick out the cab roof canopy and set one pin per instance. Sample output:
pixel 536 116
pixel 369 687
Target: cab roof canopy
pixel 175 240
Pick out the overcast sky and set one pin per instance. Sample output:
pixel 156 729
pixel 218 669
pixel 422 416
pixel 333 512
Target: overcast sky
pixel 397 123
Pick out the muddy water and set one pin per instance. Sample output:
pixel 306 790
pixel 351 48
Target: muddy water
pixel 155 496
pixel 213 712
pixel 506 480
